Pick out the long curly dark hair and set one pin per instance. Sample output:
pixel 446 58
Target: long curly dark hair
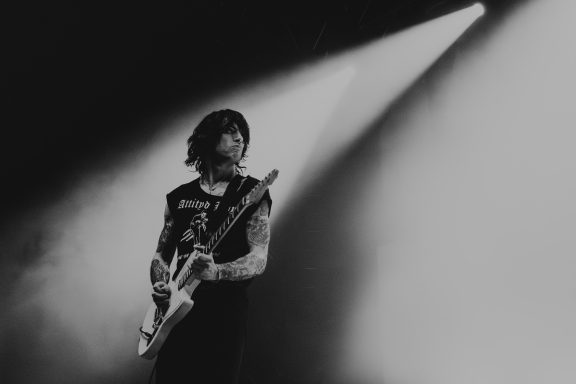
pixel 202 143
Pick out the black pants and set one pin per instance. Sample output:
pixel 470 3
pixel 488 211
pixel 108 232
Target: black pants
pixel 207 346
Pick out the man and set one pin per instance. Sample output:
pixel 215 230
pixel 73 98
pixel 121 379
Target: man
pixel 207 346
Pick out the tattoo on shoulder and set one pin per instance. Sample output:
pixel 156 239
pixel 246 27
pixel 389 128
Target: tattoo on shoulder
pixel 263 209
pixel 258 230
pixel 167 234
pixel 159 272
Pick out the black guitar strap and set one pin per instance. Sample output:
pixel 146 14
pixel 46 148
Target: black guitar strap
pixel 237 188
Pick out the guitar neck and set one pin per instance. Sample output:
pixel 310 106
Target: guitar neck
pixel 215 239
pixel 232 217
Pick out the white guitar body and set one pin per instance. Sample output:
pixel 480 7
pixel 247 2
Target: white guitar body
pixel 153 332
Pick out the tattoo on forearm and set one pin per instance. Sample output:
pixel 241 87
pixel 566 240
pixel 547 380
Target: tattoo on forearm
pixel 159 272
pixel 254 263
pixel 244 268
pixel 258 231
pixel 167 234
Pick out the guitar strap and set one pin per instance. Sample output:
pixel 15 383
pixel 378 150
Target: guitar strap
pixel 237 188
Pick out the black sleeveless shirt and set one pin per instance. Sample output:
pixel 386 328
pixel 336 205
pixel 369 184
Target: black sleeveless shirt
pixel 195 213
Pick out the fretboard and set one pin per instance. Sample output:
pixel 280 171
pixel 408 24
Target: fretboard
pixel 225 226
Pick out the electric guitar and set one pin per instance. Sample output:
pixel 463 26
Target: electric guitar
pixel 159 322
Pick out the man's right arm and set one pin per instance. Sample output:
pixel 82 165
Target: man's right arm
pixel 160 266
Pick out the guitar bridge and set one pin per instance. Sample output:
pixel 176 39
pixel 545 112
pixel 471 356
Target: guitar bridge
pixel 158 318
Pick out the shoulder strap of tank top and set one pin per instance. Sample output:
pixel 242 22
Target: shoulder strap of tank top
pixel 228 199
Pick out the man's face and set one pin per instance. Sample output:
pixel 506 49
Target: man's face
pixel 230 146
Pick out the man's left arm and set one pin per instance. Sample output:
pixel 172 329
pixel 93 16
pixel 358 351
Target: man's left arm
pixel 258 236
pixel 249 265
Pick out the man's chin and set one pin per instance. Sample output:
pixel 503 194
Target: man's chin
pixel 234 158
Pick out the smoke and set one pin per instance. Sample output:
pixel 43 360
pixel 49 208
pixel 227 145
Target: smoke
pixel 82 262
pixel 78 300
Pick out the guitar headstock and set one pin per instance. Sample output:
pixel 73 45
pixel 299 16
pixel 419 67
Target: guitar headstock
pixel 258 191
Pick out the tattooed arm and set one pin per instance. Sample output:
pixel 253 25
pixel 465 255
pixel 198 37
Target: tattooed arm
pixel 258 236
pixel 160 266
pixel 247 266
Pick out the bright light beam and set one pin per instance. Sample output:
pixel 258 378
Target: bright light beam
pixel 474 282
pixel 478 9
pixel 303 120
pixel 385 69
